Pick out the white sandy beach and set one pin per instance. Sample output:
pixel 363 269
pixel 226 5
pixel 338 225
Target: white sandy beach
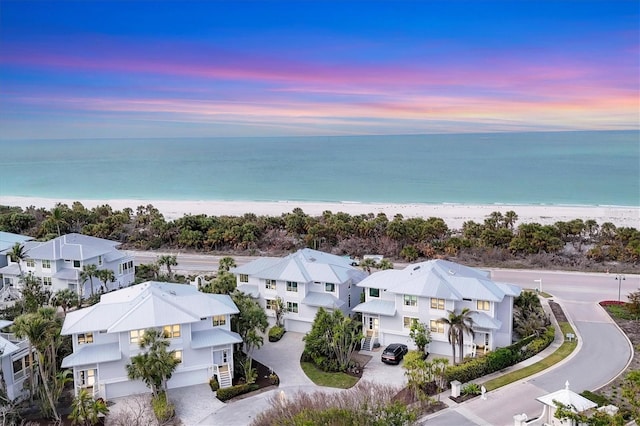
pixel 453 214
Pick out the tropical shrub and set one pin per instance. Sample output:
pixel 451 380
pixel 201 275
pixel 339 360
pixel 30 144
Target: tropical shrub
pixel 471 389
pixel 276 333
pixel 162 408
pixel 226 394
pixel 213 384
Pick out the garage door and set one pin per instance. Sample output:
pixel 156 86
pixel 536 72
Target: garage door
pixel 297 326
pixel 125 388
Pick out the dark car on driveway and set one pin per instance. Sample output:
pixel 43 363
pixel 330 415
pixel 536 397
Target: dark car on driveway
pixel 394 353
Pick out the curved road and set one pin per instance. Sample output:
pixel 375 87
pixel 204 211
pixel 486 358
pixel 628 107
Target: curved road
pixel 603 354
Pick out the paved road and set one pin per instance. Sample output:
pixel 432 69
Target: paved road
pixel 604 353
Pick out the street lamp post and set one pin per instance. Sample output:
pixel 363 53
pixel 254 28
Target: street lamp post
pixel 539 282
pixel 619 278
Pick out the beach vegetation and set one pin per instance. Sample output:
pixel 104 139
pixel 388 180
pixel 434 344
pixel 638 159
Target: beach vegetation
pixel 499 240
pixel 364 404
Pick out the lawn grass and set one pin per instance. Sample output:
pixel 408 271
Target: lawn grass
pixel 561 353
pixel 620 311
pixel 332 380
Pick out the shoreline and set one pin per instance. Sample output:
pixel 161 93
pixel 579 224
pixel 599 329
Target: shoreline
pixel 454 215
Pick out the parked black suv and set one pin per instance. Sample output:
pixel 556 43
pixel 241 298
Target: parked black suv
pixel 394 353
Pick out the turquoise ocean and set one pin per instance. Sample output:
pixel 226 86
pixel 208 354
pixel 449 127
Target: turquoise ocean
pixel 592 168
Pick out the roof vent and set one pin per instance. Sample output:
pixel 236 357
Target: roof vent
pixel 452 272
pixel 312 259
pixel 172 292
pixel 416 268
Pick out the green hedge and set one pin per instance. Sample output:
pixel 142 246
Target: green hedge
pixel 226 394
pixel 500 358
pixel 276 333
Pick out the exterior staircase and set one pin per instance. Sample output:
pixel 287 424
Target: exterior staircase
pixel 368 341
pixel 224 376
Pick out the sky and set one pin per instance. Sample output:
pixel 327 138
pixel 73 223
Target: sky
pixel 94 69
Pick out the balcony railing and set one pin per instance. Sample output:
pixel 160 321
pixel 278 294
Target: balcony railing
pixel 20 343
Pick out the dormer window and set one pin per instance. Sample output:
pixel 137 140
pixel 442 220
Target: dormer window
pixel 484 305
pixel 84 338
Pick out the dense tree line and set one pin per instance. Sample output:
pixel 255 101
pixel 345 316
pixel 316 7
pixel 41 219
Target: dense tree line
pixel 580 244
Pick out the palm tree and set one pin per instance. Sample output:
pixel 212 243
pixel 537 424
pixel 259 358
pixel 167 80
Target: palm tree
pixel 226 263
pixel 155 366
pixel 65 298
pixel 168 260
pixel 56 218
pixel 86 410
pixel 459 324
pixel 105 275
pixel 18 255
pixel 88 273
pixel 42 329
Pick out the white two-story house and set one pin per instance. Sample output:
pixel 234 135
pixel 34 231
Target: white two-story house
pixel 305 280
pixel 57 263
pixel 14 362
pixel 425 292
pixel 105 336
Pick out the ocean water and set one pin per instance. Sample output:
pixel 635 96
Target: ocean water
pixel 555 168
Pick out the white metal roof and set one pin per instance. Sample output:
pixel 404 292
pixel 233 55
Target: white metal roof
pixel 214 337
pixel 379 307
pixel 575 402
pixel 305 265
pixel 440 279
pixel 482 320
pixel 92 353
pixel 70 246
pixel 150 304
pixel 250 289
pixel 325 300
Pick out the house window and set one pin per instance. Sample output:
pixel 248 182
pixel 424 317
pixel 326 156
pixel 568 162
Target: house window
pixel 31 263
pixel 436 326
pixel 177 355
pixel 46 281
pixel 484 305
pixel 330 287
pixel 135 336
pixel 126 268
pixel 374 292
pixel 84 338
pixel 76 263
pixel 86 378
pixel 270 284
pixel 271 304
pixel 20 368
pixel 407 322
pixel 244 278
pixel 46 264
pixel 437 304
pixel 410 300
pixel 292 286
pixel 99 260
pixel 171 331
pixel 219 320
pixel 292 307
